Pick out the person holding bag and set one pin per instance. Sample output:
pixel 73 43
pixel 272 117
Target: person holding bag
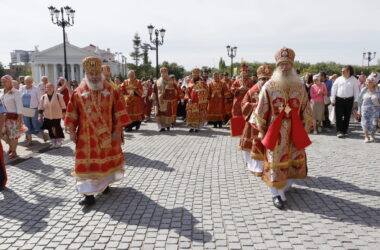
pixel 13 127
pixel 52 109
pixel 30 97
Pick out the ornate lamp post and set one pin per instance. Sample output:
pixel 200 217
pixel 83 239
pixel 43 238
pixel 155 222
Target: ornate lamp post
pixel 156 41
pixel 62 22
pixel 369 56
pixel 118 54
pixel 124 62
pixel 231 52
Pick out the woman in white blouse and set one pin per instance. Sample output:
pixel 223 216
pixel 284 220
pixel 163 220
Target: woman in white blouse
pixel 10 101
pixel 30 97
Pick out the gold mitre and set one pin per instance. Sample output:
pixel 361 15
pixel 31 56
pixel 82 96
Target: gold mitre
pixel 285 55
pixel 196 71
pixel 92 65
pixel 264 71
pixel 244 66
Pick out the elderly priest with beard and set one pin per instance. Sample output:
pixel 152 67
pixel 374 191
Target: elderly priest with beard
pixel 96 115
pixel 283 117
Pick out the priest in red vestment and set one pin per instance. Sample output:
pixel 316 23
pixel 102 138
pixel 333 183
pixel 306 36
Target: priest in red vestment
pixel 283 118
pixel 106 70
pixel 217 91
pixel 249 141
pixel 228 97
pixel 197 97
pixel 147 97
pixel 95 117
pixel 164 94
pixel 239 89
pixel 132 90
pixel 178 99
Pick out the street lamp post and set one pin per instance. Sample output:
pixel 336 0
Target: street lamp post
pixel 118 61
pixel 124 60
pixel 54 12
pixel 231 52
pixel 369 56
pixel 156 41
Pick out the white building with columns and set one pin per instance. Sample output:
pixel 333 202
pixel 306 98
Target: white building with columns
pixel 50 62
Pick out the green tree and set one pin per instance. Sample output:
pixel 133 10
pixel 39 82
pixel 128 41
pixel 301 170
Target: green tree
pixel 145 55
pixel 2 70
pixel 222 65
pixel 146 70
pixel 136 54
pixel 174 69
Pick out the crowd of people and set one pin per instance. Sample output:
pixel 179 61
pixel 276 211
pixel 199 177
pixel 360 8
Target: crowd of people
pixel 29 108
pixel 271 111
pixel 342 99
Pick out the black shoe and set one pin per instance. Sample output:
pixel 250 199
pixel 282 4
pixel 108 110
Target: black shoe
pixel 191 130
pixel 107 190
pixel 128 129
pixel 87 201
pixel 168 128
pixel 162 130
pixel 2 188
pixel 220 124
pixel 215 125
pixel 277 202
pixel 196 130
pixel 138 127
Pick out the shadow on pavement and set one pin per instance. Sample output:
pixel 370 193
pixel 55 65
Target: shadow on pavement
pixel 329 183
pixel 354 132
pixel 139 161
pixel 204 132
pixel 44 172
pixel 32 215
pixel 333 208
pixel 62 151
pixel 129 206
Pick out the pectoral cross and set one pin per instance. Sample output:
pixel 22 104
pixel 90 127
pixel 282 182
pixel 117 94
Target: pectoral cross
pixel 85 93
pixel 287 109
pixel 105 92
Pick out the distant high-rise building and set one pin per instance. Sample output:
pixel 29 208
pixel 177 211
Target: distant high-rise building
pixel 21 56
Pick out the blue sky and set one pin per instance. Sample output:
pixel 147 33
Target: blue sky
pixel 198 31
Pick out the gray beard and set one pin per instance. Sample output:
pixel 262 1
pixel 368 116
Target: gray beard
pixel 94 86
pixel 287 80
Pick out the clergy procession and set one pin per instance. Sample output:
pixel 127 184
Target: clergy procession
pixel 276 149
pixel 271 113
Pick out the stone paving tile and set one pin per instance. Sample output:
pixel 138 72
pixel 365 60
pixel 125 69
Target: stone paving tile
pixel 192 191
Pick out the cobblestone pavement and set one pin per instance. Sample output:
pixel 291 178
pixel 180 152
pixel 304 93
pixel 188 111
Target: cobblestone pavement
pixel 25 152
pixel 193 191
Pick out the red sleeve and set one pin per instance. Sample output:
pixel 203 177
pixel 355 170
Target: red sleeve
pixel 72 114
pixel 120 116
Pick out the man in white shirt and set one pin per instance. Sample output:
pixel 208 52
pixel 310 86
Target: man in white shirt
pixel 344 95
